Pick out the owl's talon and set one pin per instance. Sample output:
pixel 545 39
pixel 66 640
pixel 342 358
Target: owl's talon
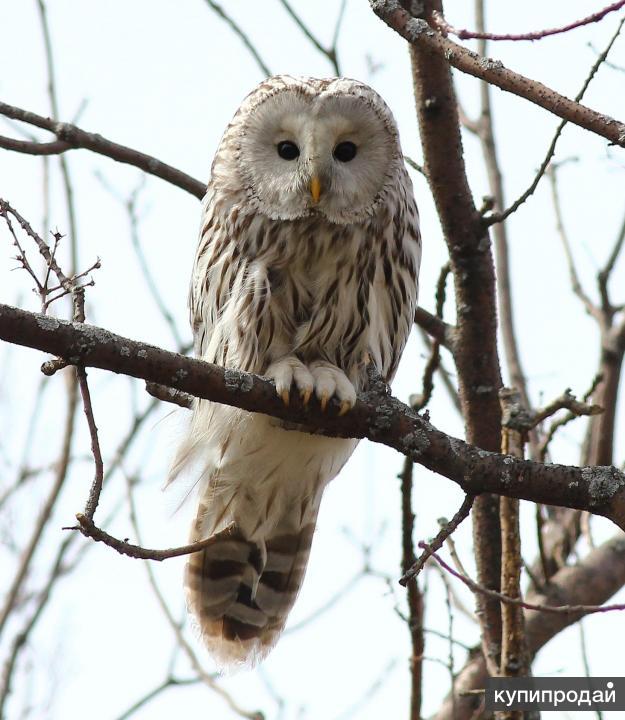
pixel 305 396
pixel 323 401
pixel 285 397
pixel 346 406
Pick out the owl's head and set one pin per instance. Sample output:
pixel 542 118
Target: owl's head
pixel 303 146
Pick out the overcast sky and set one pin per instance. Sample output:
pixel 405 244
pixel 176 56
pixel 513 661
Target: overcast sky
pixel 165 78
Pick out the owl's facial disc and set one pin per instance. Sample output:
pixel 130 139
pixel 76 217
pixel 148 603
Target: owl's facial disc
pixel 325 154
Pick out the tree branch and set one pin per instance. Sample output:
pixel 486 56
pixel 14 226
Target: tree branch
pixel 475 347
pixel 591 583
pixel 418 32
pixel 376 415
pixel 446 27
pixel 70 137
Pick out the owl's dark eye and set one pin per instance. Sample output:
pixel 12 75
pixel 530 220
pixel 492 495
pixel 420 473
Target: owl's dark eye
pixel 345 151
pixel 288 150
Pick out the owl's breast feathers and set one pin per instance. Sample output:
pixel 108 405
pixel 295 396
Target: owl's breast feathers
pixel 263 288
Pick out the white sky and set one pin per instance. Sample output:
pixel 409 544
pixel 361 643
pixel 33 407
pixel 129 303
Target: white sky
pixel 165 78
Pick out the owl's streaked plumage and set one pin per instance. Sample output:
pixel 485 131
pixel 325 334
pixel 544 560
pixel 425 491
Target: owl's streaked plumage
pixel 306 269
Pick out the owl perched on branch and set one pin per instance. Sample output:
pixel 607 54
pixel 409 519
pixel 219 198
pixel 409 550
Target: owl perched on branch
pixel 306 270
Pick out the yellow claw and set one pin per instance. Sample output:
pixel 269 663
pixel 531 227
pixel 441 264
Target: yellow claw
pixel 285 397
pixel 323 401
pixel 305 395
pixel 346 406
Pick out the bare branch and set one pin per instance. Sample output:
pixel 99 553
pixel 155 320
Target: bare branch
pixel 376 415
pixel 73 137
pixel 593 580
pixel 242 36
pixel 566 401
pixel 436 327
pixel 503 214
pixel 208 679
pixel 418 32
pixel 50 501
pixel 446 28
pixel 555 609
pixel 486 133
pixel 414 595
pixel 96 487
pixel 419 402
pixel 89 529
pixel 604 274
pixel 576 285
pixel 437 543
pixel 155 692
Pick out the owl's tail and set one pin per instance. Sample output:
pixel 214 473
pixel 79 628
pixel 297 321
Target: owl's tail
pixel 242 590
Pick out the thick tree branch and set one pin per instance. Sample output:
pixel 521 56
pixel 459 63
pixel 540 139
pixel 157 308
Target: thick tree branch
pixel 475 355
pixel 376 415
pixel 70 137
pixel 419 33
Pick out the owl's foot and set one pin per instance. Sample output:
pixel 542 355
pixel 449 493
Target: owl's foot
pixel 331 380
pixel 322 378
pixel 291 371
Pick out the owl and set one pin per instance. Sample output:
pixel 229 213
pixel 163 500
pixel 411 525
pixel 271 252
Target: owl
pixel 306 270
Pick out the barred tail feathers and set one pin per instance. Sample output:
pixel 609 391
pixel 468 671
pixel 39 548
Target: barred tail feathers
pixel 259 498
pixel 241 591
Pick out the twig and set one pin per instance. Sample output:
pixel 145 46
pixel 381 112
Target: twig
pixel 486 134
pixel 450 632
pixel 333 600
pixel 329 53
pixel 433 362
pixel 72 137
pixel 604 274
pixel 169 682
pixel 96 487
pixel 451 548
pixel 439 330
pixel 446 28
pixel 69 284
pixel 52 95
pixel 567 418
pixel 170 395
pixel 414 165
pixel 554 609
pixel 206 678
pixel 584 652
pixel 414 595
pixel 370 692
pixel 444 374
pixel 502 215
pixel 566 401
pixel 130 205
pixel 89 529
pixel 241 35
pixel 419 33
pixel 440 538
pixel 576 285
pixel 46 511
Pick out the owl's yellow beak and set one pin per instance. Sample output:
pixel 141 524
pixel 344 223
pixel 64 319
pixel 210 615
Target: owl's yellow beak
pixel 315 189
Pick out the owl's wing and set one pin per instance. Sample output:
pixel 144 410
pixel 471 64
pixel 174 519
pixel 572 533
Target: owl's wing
pixel 229 298
pixel 396 281
pixel 207 288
